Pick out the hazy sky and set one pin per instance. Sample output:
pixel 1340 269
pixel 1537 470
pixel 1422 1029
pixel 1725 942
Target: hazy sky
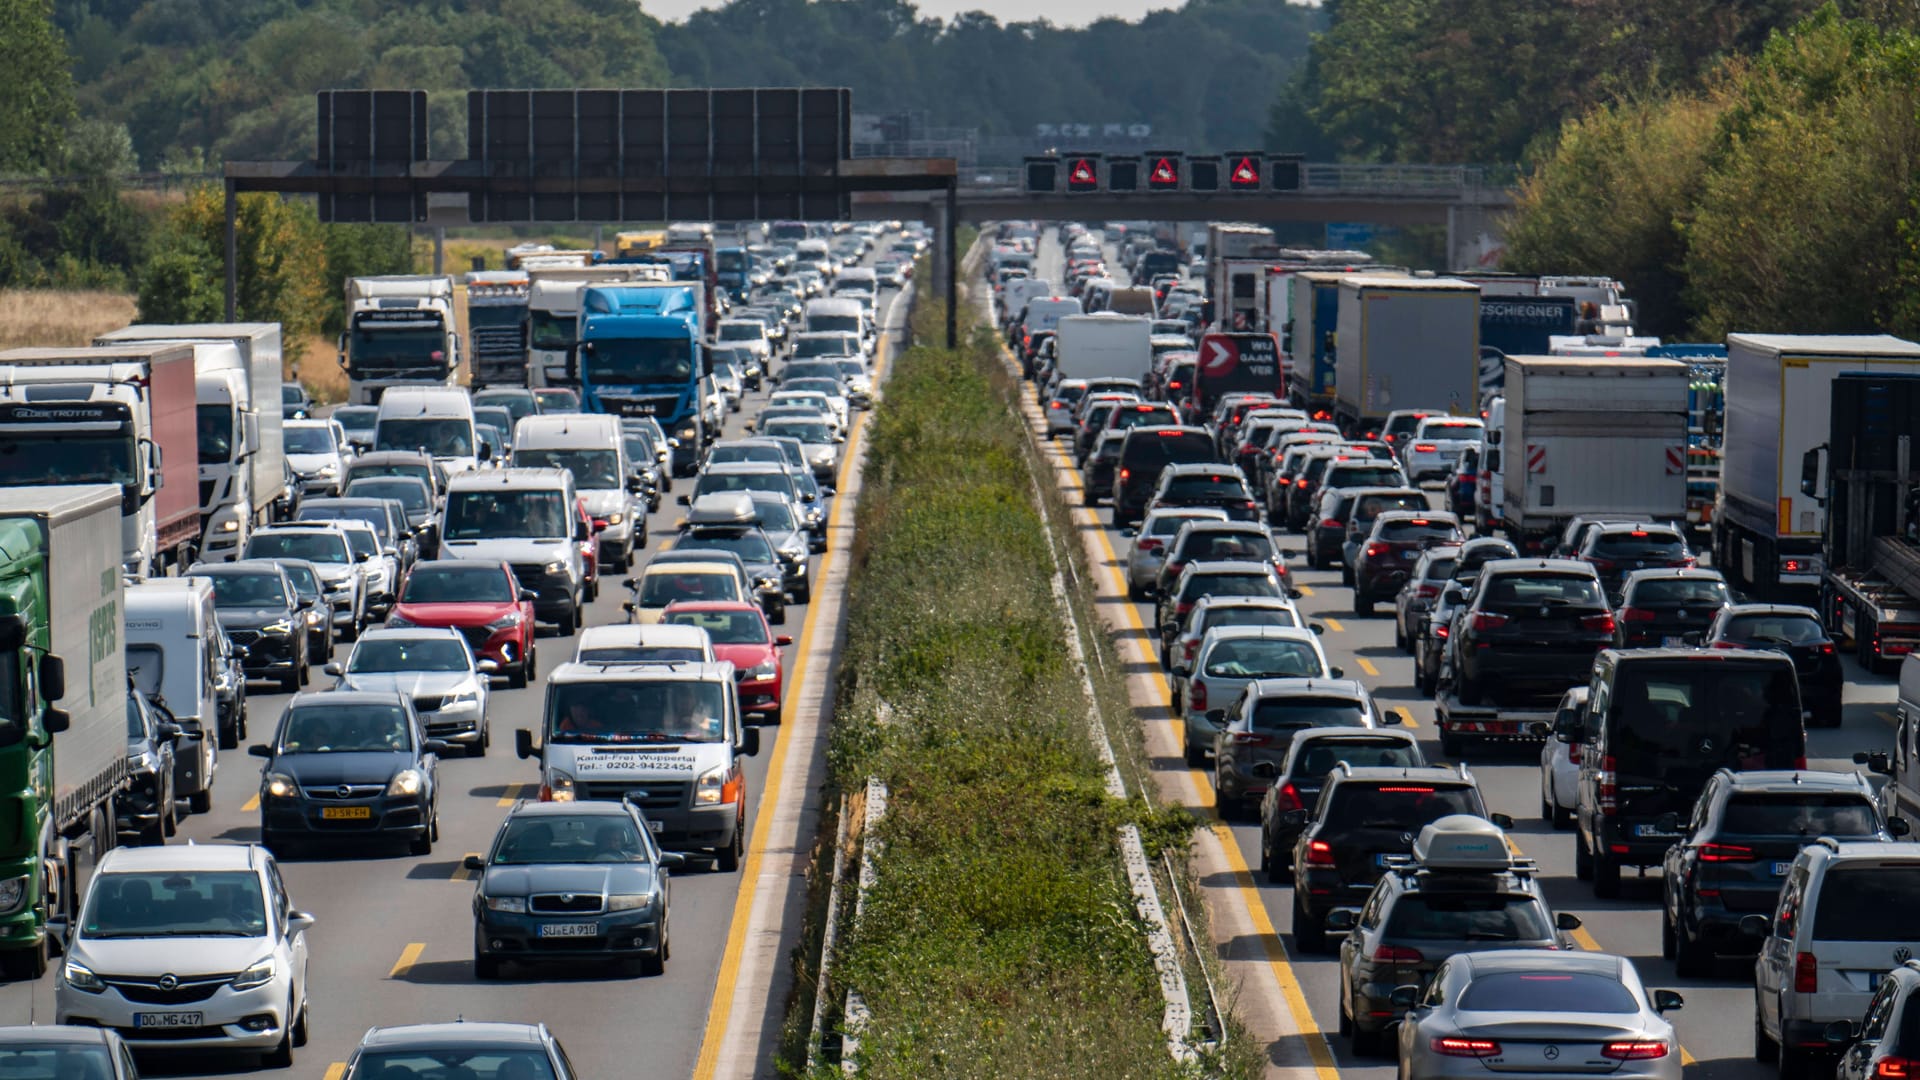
pixel 1060 12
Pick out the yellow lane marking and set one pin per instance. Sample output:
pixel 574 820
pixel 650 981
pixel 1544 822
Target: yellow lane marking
pixel 511 794
pixel 1333 624
pixel 460 872
pixel 1366 665
pixel 335 1071
pixel 1406 716
pixel 720 1013
pixel 1888 717
pixel 251 804
pixel 408 957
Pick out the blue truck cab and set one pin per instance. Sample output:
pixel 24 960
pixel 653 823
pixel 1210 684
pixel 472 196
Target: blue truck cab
pixel 640 355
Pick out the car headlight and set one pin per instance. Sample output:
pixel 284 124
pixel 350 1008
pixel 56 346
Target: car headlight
pixel 686 434
pixel 398 621
pixel 766 583
pixel 556 567
pixel 629 902
pixel 281 786
pixel 13 893
pixel 616 518
pixel 313 617
pixel 504 622
pixel 81 977
pixel 260 974
pixel 230 525
pixel 328 470
pixel 706 790
pixel 559 787
pixel 516 905
pixel 765 671
pixel 406 782
pixel 284 626
pixel 469 697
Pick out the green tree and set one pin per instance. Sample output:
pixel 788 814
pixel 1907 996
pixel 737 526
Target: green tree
pixel 36 97
pixel 278 274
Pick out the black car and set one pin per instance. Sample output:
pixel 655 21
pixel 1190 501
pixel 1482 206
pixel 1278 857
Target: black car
pixel 1209 485
pixel 1736 846
pixel 459 1050
pixel 349 765
pixel 1797 632
pixel 261 612
pixel 1614 551
pixel 1430 633
pixel 1529 631
pixel 1101 465
pixel 1392 549
pixel 1144 453
pixel 1659 724
pixel 1297 783
pixel 1365 815
pixel 1664 607
pixel 143 811
pixel 313 597
pixel 571 880
pixel 1422 589
pixel 1328 525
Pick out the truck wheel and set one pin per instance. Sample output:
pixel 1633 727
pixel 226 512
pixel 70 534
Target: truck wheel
pixel 727 859
pixel 1582 859
pixel 200 802
pixel 1606 877
pixel 567 620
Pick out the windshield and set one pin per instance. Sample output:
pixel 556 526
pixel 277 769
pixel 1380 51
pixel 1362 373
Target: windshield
pixel 1512 592
pixel 1866 903
pixel 306 584
pixel 1210 545
pixel 723 453
pixel 826 345
pixel 1204 487
pixel 216 433
pixel 518 403
pixel 34 1060
pixel 292 394
pixel 193 903
pixel 1150 446
pixel 710 482
pixel 1262 658
pixel 1231 585
pixel 371 516
pixel 509 513
pixel 441 437
pixel 651 360
pixel 247 590
pixel 1247 616
pixel 408 493
pixel 1319 757
pixel 457 585
pixel 1680 592
pixel 1400 806
pixel 628 654
pixel 1142 416
pixel 1277 714
pixel 30 457
pixel 774 515
pixel 816 434
pixel 384 656
pixel 309 440
pixel 1641 545
pixel 557 400
pixel 1453 917
pixel 752 547
pixel 725 627
pixel 417 470
pixel 587 838
pixel 551 330
pixel 818 323
pixel 1669 715
pixel 146 667
pixel 662 587
pixel 1418 530
pixel 1775 629
pixel 592 469
pixel 399 348
pixel 1346 476
pixel 1450 429
pixel 344 729
pixel 315 547
pixel 827 387
pixel 356 417
pixel 742 331
pixel 653 710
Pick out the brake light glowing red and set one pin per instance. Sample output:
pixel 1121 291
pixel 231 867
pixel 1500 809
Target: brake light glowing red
pixel 1609 787
pixel 1424 448
pixel 1150 543
pixel 1332 523
pixel 1725 853
pixel 1288 798
pixel 1397 954
pixel 1638 532
pixel 1894 1068
pixel 1300 483
pixel 1463 1047
pixel 1602 623
pixel 1197 695
pixel 1319 853
pixel 1806 973
pixel 1406 790
pixel 1377 549
pixel 1638 1050
pixel 1634 614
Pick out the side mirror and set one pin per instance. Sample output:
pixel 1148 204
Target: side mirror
pixel 672 860
pixel 1182 671
pixel 1567 920
pixel 523 743
pixel 486 667
pixel 438 746
pixel 1691 638
pixel 1840 1033
pixel 1266 770
pixel 808 497
pixel 750 741
pixel 59 926
pixel 299 922
pixel 783 640
pixel 1337 671
pixel 1390 718
pixel 484 453
pixel 365 556
pixel 1505 821
pixel 260 750
pixel 629 607
pixel 683 500
pixel 1570 733
pixel 334 668
pixel 1404 997
pixel 1667 1001
pixel 1540 729
pixel 1129 532
pixel 1898 826
pixel 1756 926
pixel 529 595
pixel 1812 464
pixel 474 862
pixel 1875 761
pixel 1294 819
pixel 53 677
pixel 1295 594
pixel 1341 920
pixel 55 721
pixel 1318 628
pixel 1216 717
pixel 166 731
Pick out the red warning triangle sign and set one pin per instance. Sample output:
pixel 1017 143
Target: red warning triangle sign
pixel 1163 171
pixel 1082 172
pixel 1244 172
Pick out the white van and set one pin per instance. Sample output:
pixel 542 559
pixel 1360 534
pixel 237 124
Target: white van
pixel 591 447
pixel 436 419
pixel 173 653
pixel 525 518
pixel 1014 298
pixel 1102 346
pixel 859 284
pixel 845 316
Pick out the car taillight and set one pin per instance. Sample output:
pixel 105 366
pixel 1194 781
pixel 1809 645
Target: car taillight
pixel 1725 853
pixel 1573 753
pixel 1319 853
pixel 1332 523
pixel 1826 648
pixel 1728 645
pixel 1192 646
pixel 1609 786
pixel 1424 448
pixel 1634 614
pixel 1397 954
pixel 1150 543
pixel 1300 483
pixel 1056 404
pixel 1377 549
pixel 1600 564
pixel 1635 1050
pixel 1441 632
pixel 1173 385
pixel 1426 590
pixel 1250 738
pixel 1602 622
pixel 1806 973
pixel 1453 1046
pixel 1288 798
pixel 1197 695
pixel 1488 620
pixel 1174 568
pixel 1124 473
pixel 1894 1068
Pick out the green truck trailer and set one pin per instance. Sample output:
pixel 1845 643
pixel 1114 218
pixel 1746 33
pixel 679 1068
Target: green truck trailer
pixel 63 702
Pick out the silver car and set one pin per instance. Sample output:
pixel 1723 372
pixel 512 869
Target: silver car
pixel 1536 1013
pixel 1148 552
pixel 1230 658
pixel 433 666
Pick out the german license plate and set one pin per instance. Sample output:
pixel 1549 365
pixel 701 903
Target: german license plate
pixel 569 929
pixel 1381 859
pixel 1780 869
pixel 346 813
pixel 1672 642
pixel 168 1020
pixel 1651 832
pixel 656 826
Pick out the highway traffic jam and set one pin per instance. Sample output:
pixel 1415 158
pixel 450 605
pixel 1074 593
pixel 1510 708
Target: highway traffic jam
pixel 1552 684
pixel 511 634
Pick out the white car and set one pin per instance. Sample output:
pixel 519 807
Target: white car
pixel 435 667
pixel 1436 445
pixel 827 394
pixel 1148 550
pixel 198 944
pixel 316 452
pixel 635 643
pixel 1559 769
pixel 1230 657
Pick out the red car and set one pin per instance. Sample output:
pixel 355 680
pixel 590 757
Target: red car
pixel 741 637
pixel 483 601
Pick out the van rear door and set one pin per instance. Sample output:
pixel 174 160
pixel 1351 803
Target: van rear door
pixel 1861 920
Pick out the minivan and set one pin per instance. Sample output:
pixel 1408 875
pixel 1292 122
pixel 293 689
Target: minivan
pixel 173 653
pixel 590 447
pixel 1659 723
pixel 842 315
pixel 527 518
pixel 436 419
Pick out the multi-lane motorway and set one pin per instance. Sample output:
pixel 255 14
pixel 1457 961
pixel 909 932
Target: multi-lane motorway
pixel 1715 1027
pixel 394 937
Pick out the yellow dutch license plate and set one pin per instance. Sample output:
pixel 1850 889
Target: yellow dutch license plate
pixel 346 813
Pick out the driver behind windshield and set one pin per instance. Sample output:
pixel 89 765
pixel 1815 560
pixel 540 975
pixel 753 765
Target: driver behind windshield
pixel 646 711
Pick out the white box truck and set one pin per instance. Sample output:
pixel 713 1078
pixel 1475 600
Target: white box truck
pixel 1779 390
pixel 1405 343
pixel 1103 346
pixel 1591 436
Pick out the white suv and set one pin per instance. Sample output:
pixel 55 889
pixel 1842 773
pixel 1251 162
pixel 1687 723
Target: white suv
pixel 1843 919
pixel 189 947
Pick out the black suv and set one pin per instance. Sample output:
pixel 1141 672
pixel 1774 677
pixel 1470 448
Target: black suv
pixel 261 612
pixel 1421 592
pixel 1659 724
pixel 1429 633
pixel 1145 452
pixel 1797 632
pixel 1364 816
pixel 1216 541
pixel 1736 847
pixel 1614 551
pixel 1296 784
pixel 1391 549
pixel 1662 607
pixel 1339 508
pixel 1530 626
pixel 1221 487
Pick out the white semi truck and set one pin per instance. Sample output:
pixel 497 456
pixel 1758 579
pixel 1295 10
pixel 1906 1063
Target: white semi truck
pixel 400 332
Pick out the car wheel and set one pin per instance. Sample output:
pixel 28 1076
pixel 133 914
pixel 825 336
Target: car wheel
pixel 1346 575
pixel 1582 860
pixel 653 966
pixel 281 1056
pixel 170 824
pixel 567 620
pixel 1450 744
pixel 1765 1049
pixel 1422 681
pixel 727 860
pixel 485 968
pixel 1793 1063
pixel 1400 634
pixel 518 674
pixel 1666 933
pixel 26 965
pixel 1196 757
pixel 300 1026
pixel 779 616
pixel 1366 1043
pixel 422 844
pixel 1691 959
pixel 1309 936
pixel 153 834
pixel 479 746
pixel 1362 605
pixel 1279 867
pixel 1135 593
pixel 803 595
pixel 290 682
pixel 1562 818
pixel 1606 877
pixel 1829 716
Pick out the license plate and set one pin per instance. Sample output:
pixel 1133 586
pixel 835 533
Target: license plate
pixel 569 929
pixel 1652 832
pixel 1381 859
pixel 656 826
pixel 1780 869
pixel 168 1020
pixel 346 813
pixel 1672 642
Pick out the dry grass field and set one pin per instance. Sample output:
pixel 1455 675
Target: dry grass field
pixel 60 317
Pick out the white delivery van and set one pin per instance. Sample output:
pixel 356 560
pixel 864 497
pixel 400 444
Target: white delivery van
pixel 527 519
pixel 438 420
pixel 591 447
pixel 1103 346
pixel 173 654
pixel 845 316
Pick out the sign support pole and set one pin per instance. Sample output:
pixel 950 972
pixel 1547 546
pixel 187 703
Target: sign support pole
pixel 233 244
pixel 953 261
